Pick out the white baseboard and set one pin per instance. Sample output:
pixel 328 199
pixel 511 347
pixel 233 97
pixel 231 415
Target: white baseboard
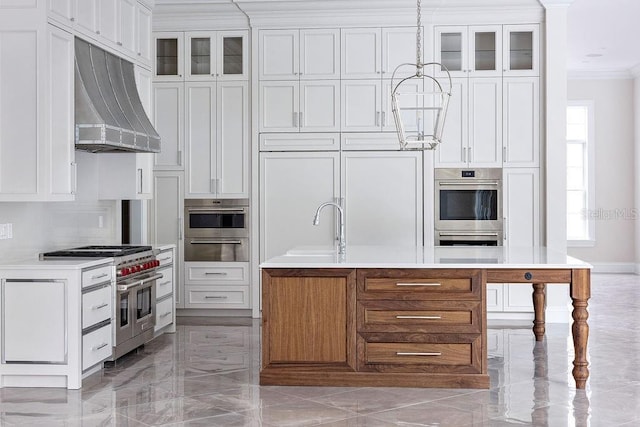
pixel 615 267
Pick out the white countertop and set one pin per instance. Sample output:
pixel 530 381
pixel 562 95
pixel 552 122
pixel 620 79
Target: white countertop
pixel 57 264
pixel 494 257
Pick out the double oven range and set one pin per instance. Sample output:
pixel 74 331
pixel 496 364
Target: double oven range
pixel 468 207
pixel 134 294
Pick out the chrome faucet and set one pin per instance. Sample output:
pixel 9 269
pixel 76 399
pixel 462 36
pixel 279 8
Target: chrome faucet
pixel 342 245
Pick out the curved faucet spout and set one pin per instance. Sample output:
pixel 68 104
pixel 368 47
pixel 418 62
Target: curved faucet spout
pixel 342 245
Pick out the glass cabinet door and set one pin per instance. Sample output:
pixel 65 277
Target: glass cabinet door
pixel 200 55
pixel 451 49
pixel 168 56
pixel 232 55
pixel 521 50
pixel 485 47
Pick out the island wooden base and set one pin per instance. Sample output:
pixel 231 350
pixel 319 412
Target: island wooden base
pixel 285 377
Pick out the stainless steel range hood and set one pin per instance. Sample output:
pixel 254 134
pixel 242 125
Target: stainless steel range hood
pixel 108 112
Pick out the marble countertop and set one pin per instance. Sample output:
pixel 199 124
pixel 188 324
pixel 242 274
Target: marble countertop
pixel 57 264
pixel 493 257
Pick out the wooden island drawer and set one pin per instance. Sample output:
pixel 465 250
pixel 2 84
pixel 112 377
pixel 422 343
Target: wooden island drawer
pixel 419 316
pixel 460 353
pixel 419 284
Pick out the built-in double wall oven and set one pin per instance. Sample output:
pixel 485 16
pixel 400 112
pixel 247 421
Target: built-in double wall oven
pixel 468 207
pixel 216 230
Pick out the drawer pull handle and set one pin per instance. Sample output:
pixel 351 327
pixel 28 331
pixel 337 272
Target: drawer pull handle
pixel 410 353
pixel 419 317
pixel 215 273
pixel 215 297
pixel 418 284
pixel 168 282
pixel 99 276
pixel 98 307
pixel 101 346
pixel 164 259
pixel 165 314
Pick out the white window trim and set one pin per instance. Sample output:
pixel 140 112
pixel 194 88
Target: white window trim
pixel 591 186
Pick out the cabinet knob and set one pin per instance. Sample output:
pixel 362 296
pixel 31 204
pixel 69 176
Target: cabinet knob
pixel 528 276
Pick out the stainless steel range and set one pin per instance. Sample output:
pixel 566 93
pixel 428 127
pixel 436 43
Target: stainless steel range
pixel 134 294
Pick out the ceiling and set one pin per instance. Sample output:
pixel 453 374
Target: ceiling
pixel 604 36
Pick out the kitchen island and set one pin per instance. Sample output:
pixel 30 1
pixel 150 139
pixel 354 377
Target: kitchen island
pixel 402 316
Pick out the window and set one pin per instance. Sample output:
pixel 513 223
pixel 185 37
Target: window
pixel 580 200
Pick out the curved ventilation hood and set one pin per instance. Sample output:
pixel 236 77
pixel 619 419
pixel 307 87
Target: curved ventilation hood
pixel 108 113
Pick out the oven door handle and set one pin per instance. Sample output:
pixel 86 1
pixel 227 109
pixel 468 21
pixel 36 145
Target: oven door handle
pixel 444 233
pixel 216 210
pixel 215 242
pixel 471 183
pixel 122 288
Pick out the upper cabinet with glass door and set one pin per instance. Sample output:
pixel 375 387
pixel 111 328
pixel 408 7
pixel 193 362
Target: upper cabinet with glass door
pixel 474 51
pixel 521 50
pixel 210 55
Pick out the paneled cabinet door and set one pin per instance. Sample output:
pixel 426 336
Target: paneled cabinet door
pixel 168 119
pixel 452 152
pixel 361 107
pixel 485 127
pixel 292 186
pixel 167 220
pixel 399 46
pixel 319 54
pixel 87 16
pixel 108 19
pixel 279 59
pixel 143 37
pixel 216 55
pixel 128 26
pixel 168 51
pixel 361 53
pixel 279 102
pixel 63 11
pixel 200 138
pixel 232 145
pixel 521 121
pixel 382 193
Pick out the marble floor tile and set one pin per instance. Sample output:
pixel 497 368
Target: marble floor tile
pixel 207 374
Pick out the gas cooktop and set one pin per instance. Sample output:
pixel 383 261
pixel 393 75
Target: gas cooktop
pixel 96 252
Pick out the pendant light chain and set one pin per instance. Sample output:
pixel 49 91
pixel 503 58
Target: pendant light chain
pixel 419 42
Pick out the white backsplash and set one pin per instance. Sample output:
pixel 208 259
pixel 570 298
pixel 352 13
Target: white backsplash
pixel 40 227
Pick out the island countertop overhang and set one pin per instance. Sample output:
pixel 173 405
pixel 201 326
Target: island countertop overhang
pixel 447 257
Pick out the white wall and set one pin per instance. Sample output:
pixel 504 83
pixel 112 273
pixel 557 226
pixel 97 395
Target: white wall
pixel 39 227
pixel 614 168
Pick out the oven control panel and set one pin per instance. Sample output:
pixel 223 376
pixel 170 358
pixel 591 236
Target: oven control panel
pixel 137 267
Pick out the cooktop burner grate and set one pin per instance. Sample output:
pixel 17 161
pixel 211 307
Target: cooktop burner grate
pixel 96 251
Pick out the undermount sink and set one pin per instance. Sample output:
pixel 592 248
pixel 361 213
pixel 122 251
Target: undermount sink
pixel 311 251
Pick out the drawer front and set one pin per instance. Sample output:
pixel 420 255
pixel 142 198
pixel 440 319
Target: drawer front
pixel 165 258
pixel 96 346
pixel 419 354
pixel 419 284
pixel 97 275
pixel 164 313
pixel 227 273
pixel 164 286
pixel 218 297
pixel 411 352
pixel 420 316
pixel 96 306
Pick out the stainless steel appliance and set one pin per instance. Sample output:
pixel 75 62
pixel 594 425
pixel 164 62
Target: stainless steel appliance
pixel 216 230
pixel 468 207
pixel 134 294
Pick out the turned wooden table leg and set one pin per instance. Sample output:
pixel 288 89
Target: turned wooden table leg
pixel 539 305
pixel 580 293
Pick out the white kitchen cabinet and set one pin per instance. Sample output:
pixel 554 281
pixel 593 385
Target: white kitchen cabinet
pixel 217 285
pixel 36 111
pixel 217 140
pixel 472 135
pixel 369 53
pixel 109 19
pixel 143 34
pixel 521 51
pixel 128 30
pixel 168 119
pixel 201 56
pixel 300 106
pixel 469 51
pixel 167 225
pixel 292 186
pixel 293 142
pixel 362 105
pixel 63 335
pixel 87 15
pixel 306 54
pixel 382 197
pixel 521 121
pixel 165 287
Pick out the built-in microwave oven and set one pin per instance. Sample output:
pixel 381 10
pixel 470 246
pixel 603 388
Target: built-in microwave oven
pixel 468 206
pixel 216 230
